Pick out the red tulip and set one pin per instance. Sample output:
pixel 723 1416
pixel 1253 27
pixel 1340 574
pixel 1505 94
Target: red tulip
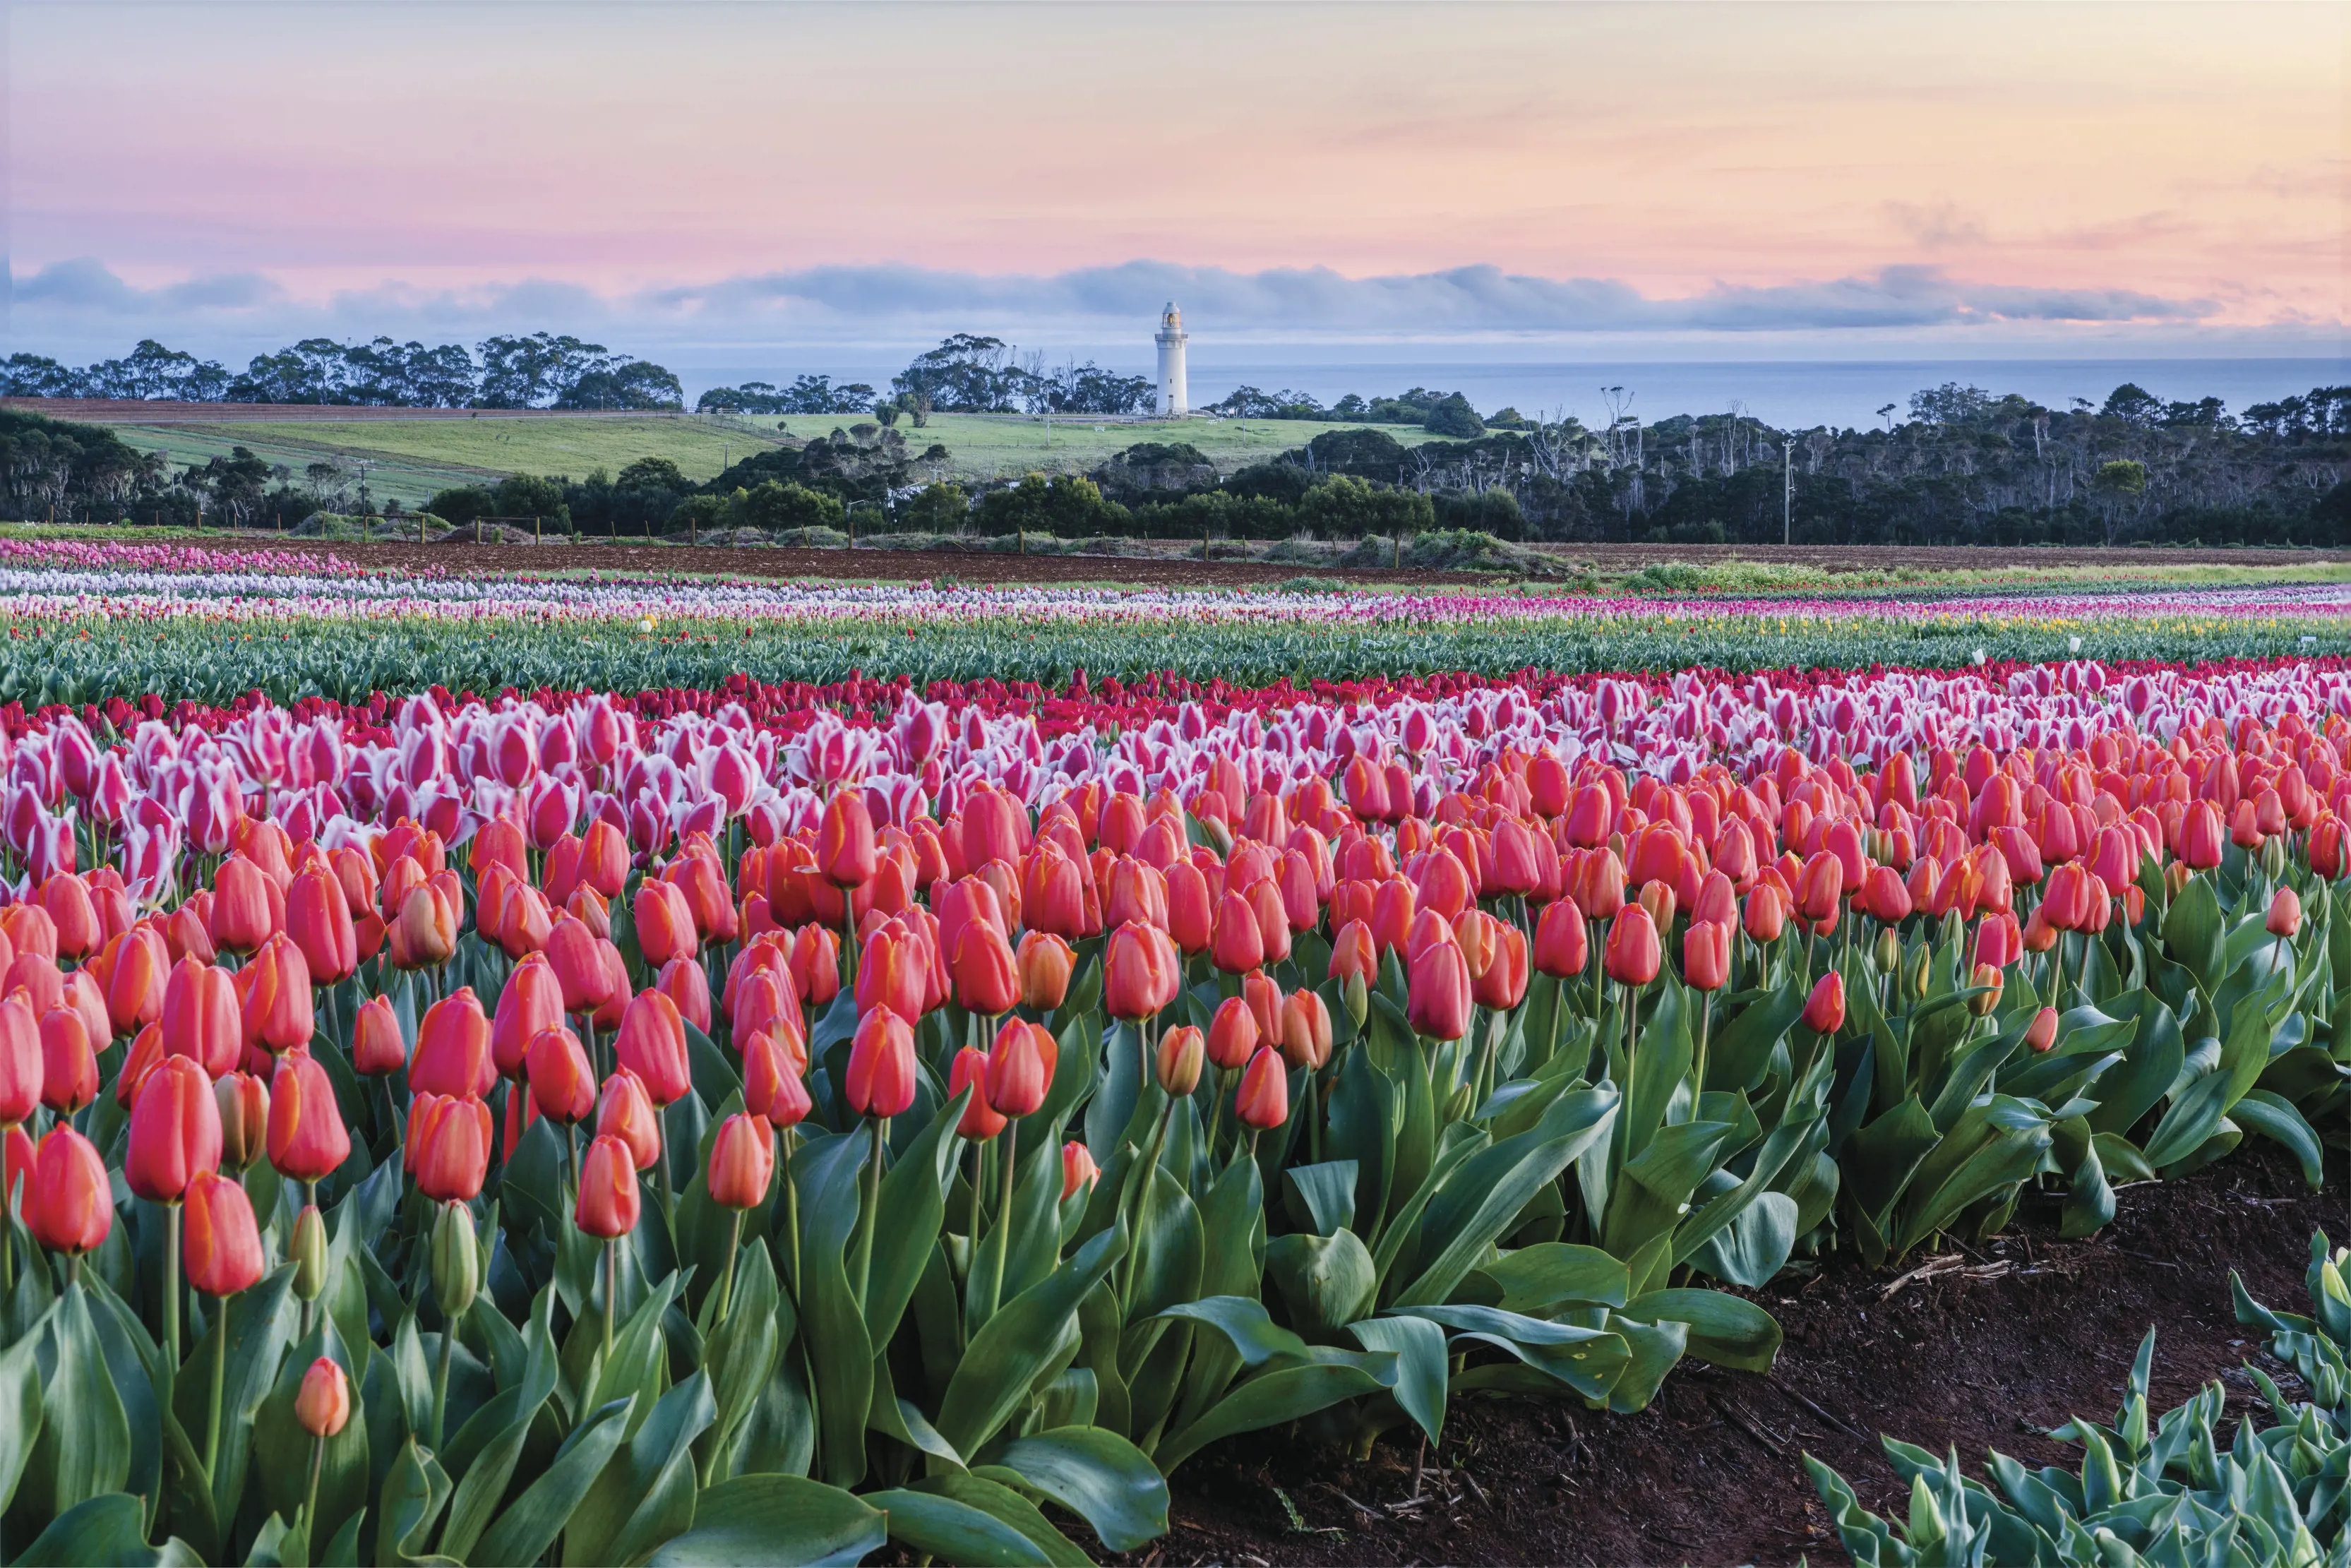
pixel 69 1067
pixel 2042 1032
pixel 448 1149
pixel 881 1077
pixel 1766 913
pixel 665 927
pixel 1563 947
pixel 1077 1169
pixel 1353 953
pixel 323 1403
pixel 2071 891
pixel 815 965
pixel 1631 956
pixel 610 1198
pixel 625 1112
pixel 21 1069
pixel 987 975
pixel 1438 995
pixel 742 1162
pixel 1140 972
pixel 1706 956
pixel 845 850
pixel 67 1201
pixel 1045 963
pixel 175 1131
pixel 562 1084
pixel 223 1243
pixel 772 1088
pixel 1824 1008
pixel 453 1049
pixel 1262 1102
pixel 1233 1035
pixel 2200 836
pixel 201 1016
pixel 307 1139
pixel 134 985
pixel 424 932
pixel 242 915
pixel 1236 944
pixel 969 1070
pixel 688 988
pixel 1306 1020
pixel 2284 918
pixel 1019 1073
pixel 577 956
pixel 1191 916
pixel 651 1044
pixel 319 918
pixel 892 971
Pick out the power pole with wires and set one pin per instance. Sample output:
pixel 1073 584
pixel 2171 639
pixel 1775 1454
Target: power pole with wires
pixel 1787 490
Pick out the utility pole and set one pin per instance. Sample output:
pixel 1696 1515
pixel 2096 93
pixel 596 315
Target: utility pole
pixel 1787 490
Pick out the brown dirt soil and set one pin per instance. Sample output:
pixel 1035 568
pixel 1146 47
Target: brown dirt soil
pixel 1170 570
pixel 1711 1473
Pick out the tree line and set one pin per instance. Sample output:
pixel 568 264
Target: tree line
pixel 536 369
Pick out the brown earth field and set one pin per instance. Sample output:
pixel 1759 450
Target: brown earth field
pixel 1169 568
pixel 1985 1346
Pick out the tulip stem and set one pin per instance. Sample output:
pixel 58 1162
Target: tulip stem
pixel 220 1382
pixel 441 1373
pixel 726 1280
pixel 1149 1174
pixel 1705 1022
pixel 862 1261
pixel 172 1285
pixel 318 1463
pixel 661 1182
pixel 792 1211
pixel 1003 1218
pixel 611 1294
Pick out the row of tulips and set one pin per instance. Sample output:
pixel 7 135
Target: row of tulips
pixel 774 1186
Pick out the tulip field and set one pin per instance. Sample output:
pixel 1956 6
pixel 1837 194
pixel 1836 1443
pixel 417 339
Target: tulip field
pixel 684 1072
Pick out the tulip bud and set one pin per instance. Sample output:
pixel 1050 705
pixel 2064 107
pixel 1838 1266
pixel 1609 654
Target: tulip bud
pixel 307 1250
pixel 1982 1006
pixel 457 1261
pixel 2273 857
pixel 1889 951
pixel 2175 879
pixel 1078 1168
pixel 610 1199
pixel 1824 1008
pixel 742 1162
pixel 1182 1052
pixel 1456 1104
pixel 243 1103
pixel 2284 918
pixel 2042 1032
pixel 1357 995
pixel 1262 1102
pixel 324 1403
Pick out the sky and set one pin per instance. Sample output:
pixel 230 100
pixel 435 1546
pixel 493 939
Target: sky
pixel 741 183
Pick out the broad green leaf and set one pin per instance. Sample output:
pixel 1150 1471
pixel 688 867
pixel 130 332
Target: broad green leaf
pixel 83 1451
pixel 646 1494
pixel 940 1527
pixel 413 1495
pixel 1482 1198
pixel 1006 1354
pixel 108 1528
pixel 1729 1331
pixel 750 1522
pixel 529 1524
pixel 997 1495
pixel 1418 1346
pixel 1267 1400
pixel 1100 1477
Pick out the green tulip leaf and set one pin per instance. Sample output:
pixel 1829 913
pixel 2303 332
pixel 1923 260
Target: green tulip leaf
pixel 939 1526
pixel 786 1521
pixel 1097 1475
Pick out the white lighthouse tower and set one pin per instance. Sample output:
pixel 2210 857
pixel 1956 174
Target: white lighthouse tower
pixel 1174 400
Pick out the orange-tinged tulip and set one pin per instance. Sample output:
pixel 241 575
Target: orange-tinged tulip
pixel 448 1146
pixel 2071 891
pixel 69 1067
pixel 1264 900
pixel 2042 1032
pixel 1824 1008
pixel 378 1048
pixel 1706 954
pixel 688 989
pixel 665 928
pixel 815 964
pixel 2000 941
pixel 1052 891
pixel 625 1112
pixel 83 995
pixel 1820 887
pixel 1504 984
pixel 453 1049
pixel 562 1084
pixel 980 1121
pixel 1140 973
pixel 1306 1025
pixel 845 850
pixel 201 1016
pixel 1766 913
pixel 987 975
pixel 1077 1169
pixel 604 858
pixel 1631 956
pixel 175 1131
pixel 274 989
pixel 2284 918
pixel 135 991
pixel 1045 963
pixel 1262 1102
pixel 890 971
pixel 244 1103
pixel 1018 1071
pixel 742 1162
pixel 2200 835
pixel 186 937
pixel 319 918
pixel 1438 995
pixel 2039 935
pixel 1476 934
pixel 1353 953
pixel 1178 1060
pixel 67 1202
pixel 1135 892
pixel 223 1244
pixel 146 1054
pixel 772 1086
pixel 324 1402
pixel 307 1139
pixel 524 921
pixel 881 1077
pixel 1233 1035
pixel 1987 976
pixel 21 1069
pixel 651 1044
pixel 610 1197
pixel 703 886
pixel 1236 944
pixel 531 1001
pixel 1563 947
pixel 425 932
pixel 1191 913
pixel 577 956
pixel 241 912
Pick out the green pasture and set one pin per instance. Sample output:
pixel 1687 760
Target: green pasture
pixel 407 460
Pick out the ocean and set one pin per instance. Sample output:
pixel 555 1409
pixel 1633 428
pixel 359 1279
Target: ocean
pixel 1786 395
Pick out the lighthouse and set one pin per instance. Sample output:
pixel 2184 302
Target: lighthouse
pixel 1172 400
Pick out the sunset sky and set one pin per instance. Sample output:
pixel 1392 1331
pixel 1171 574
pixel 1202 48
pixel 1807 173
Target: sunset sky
pixel 1830 180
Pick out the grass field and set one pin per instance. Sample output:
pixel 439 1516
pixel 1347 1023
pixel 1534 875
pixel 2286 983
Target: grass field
pixel 408 460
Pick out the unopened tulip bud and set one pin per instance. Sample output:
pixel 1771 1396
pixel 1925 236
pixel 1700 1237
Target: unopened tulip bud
pixel 1982 1006
pixel 2273 856
pixel 307 1249
pixel 2175 879
pixel 1078 1168
pixel 457 1261
pixel 324 1404
pixel 2284 918
pixel 1182 1052
pixel 2042 1032
pixel 1889 951
pixel 1457 1105
pixel 1358 998
pixel 1917 971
